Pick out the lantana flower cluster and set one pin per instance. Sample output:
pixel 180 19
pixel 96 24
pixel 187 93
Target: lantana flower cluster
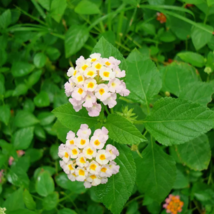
pixel 173 204
pixel 94 79
pixel 85 159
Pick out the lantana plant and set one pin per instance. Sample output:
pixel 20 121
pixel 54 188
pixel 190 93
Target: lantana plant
pixel 144 122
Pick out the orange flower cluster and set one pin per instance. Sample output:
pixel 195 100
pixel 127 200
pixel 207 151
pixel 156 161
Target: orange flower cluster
pixel 173 204
pixel 189 5
pixel 161 18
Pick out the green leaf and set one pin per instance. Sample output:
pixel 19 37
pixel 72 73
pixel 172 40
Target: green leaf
pixel 192 58
pixel 14 201
pixel 20 89
pixel 34 78
pixel 28 200
pixel 143 78
pixel 60 130
pixel 118 189
pixel 22 138
pixel 45 3
pixel 210 2
pixel 75 38
pixel 54 151
pixel 175 121
pixel 2 88
pixel 5 114
pixel 18 177
pixel 21 211
pixel 200 37
pixel 5 19
pixel 34 154
pixel 44 184
pixel 3 56
pixel 198 92
pixel 3 160
pixel 39 60
pixel 156 172
pixel 40 132
pixel 156 2
pixel 176 76
pixel 66 211
pixel 51 201
pixel 106 50
pixel 46 118
pixel 196 153
pixel 167 36
pixel 20 68
pixel 72 119
pixel 41 100
pixel 87 8
pixel 57 9
pixel 123 131
pixel 29 120
pixel 53 53
pixel 181 180
pixel 74 186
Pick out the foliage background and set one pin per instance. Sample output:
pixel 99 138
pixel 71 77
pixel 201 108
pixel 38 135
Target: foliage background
pixel 41 39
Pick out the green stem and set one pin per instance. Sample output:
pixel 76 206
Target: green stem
pixel 109 18
pixel 134 199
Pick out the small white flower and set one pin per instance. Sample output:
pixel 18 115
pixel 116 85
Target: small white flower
pixel 73 151
pixel 82 161
pixel 70 138
pixel 97 65
pixel 81 142
pixel 107 73
pixel 102 134
pixel 64 154
pixel 71 72
pixel 102 157
pixel 78 79
pixel 69 167
pixel 101 92
pixel 84 131
pixel 94 179
pixel 114 167
pixel 112 151
pixel 105 171
pixel 94 168
pixel 81 174
pixel 90 85
pixel 72 176
pixel 84 66
pixel 90 72
pixel 78 93
pixel 104 180
pixel 90 99
pixel 96 142
pixel 94 57
pixel 87 184
pixel 89 152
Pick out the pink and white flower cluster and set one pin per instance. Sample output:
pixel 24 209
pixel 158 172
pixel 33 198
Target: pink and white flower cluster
pixel 93 79
pixel 85 159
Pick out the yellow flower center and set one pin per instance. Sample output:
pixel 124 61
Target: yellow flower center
pixel 103 169
pixel 81 172
pixel 75 72
pixel 71 142
pixel 101 91
pixel 93 167
pixel 90 73
pixel 84 67
pixel 82 160
pixel 74 152
pixel 90 151
pixel 102 157
pixel 93 60
pixel 80 90
pixel 82 142
pixel 70 167
pixel 106 74
pixel 79 78
pixel 97 142
pixel 98 66
pixel 108 63
pixel 93 177
pixel 90 85
pixel 66 155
